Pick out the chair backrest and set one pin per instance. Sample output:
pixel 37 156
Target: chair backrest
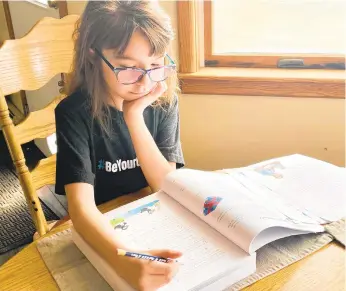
pixel 28 64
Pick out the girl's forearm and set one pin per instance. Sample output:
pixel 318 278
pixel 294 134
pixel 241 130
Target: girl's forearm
pixel 97 232
pixel 154 165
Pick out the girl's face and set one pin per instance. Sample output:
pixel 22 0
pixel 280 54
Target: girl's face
pixel 136 55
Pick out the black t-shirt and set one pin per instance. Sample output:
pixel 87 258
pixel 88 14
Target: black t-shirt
pixel 109 163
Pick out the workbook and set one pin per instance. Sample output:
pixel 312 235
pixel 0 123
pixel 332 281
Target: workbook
pixel 219 219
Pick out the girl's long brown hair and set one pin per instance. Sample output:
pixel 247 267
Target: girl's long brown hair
pixel 110 25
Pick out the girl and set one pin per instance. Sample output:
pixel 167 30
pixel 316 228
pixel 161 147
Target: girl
pixel 118 130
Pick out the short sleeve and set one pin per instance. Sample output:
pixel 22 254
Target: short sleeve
pixel 73 151
pixel 168 135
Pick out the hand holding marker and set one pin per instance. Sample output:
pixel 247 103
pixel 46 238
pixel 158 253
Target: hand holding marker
pixel 145 256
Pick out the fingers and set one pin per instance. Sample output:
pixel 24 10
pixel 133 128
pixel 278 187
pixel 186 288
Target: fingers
pixel 152 282
pixel 160 88
pixel 158 268
pixel 163 270
pixel 166 253
pixel 151 275
pixel 156 275
pixel 158 91
pixel 163 86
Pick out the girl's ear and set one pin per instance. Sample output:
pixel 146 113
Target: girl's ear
pixel 91 55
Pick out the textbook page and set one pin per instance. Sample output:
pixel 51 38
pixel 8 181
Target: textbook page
pixel 159 222
pixel 316 188
pixel 231 208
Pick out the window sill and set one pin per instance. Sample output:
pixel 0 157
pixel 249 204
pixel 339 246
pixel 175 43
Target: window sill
pixel 265 82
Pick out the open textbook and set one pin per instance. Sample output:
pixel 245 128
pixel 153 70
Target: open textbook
pixel 217 219
pixel 312 187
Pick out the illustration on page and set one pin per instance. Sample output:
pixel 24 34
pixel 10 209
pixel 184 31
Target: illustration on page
pixel 122 222
pixel 271 169
pixel 210 204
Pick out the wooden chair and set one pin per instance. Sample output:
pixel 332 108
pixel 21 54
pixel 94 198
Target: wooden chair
pixel 28 64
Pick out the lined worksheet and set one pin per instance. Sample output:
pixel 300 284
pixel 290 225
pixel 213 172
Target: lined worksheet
pixel 205 251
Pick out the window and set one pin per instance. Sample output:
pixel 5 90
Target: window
pixel 275 33
pixel 45 2
pixel 42 3
pixel 292 48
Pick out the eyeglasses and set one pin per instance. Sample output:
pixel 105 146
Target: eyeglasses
pixel 128 76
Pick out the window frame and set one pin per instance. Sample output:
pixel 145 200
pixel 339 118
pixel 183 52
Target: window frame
pixel 257 60
pixel 255 80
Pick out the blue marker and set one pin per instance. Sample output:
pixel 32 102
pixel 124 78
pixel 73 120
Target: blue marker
pixel 144 256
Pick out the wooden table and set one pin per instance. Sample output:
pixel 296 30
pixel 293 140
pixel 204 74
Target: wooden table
pixel 321 271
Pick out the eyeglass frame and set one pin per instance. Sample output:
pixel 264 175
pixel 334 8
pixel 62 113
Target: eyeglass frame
pixel 117 70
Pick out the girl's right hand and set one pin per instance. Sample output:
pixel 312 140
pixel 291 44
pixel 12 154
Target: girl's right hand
pixel 145 275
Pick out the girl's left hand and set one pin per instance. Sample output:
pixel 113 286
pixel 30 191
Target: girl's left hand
pixel 136 107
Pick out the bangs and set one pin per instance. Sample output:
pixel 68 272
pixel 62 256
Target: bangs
pixel 159 39
pixel 118 36
pixel 119 31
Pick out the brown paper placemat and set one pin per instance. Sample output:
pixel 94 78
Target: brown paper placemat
pixel 72 271
pixel 337 230
pixel 69 267
pixel 282 253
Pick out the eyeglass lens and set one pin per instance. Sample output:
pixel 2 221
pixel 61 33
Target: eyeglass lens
pixel 130 76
